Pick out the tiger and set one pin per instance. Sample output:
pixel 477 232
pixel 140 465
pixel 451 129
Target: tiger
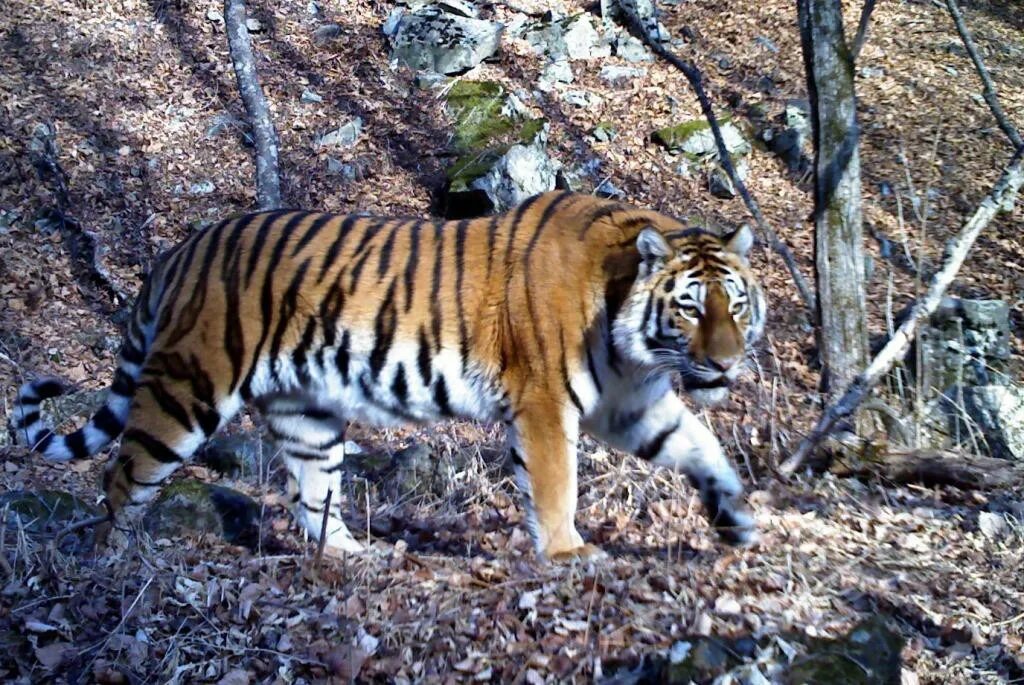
pixel 567 313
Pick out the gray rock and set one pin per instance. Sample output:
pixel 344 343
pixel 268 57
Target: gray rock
pixel 432 39
pixel 605 132
pixel 310 96
pixel 992 526
pixel 224 122
pixel 695 139
pixel 997 412
pixel 189 507
pixel 966 342
pixel 572 37
pixel 523 171
pixel 607 189
pixel 720 184
pixel 458 7
pixel 767 43
pixel 326 32
pixel 615 75
pixel 632 49
pixel 202 188
pixel 254 25
pixel 245 455
pixel 556 72
pixel 582 98
pixel 343 136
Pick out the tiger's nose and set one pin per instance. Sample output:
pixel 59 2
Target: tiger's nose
pixel 723 364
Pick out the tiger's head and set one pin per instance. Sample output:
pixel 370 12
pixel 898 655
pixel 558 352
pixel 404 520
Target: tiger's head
pixel 695 307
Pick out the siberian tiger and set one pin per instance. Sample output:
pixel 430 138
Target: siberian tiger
pixel 566 313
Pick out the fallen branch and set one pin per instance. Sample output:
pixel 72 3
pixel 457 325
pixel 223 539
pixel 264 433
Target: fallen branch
pixel 989 92
pixel 81 244
pixel 268 179
pixel 694 76
pixel 956 251
pixel 935 468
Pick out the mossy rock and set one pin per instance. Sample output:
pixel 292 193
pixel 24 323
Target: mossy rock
pixel 867 655
pixel 42 515
pixel 695 139
pixel 189 507
pixel 237 455
pixel 485 128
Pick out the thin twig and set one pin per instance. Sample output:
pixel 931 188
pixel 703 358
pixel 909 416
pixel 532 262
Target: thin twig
pixel 694 76
pixel 989 92
pixel 957 250
pixel 323 530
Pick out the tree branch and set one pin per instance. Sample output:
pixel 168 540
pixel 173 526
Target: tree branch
pixel 268 179
pixel 989 92
pixel 862 29
pixel 956 252
pixel 693 75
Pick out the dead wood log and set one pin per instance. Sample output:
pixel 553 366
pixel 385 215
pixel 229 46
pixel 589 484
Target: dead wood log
pixel 989 91
pixel 264 136
pixel 694 76
pixel 934 468
pixel 957 250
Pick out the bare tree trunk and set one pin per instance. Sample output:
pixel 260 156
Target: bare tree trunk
pixel 268 180
pixel 839 242
pixel 1007 187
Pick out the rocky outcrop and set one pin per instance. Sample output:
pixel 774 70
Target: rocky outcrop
pixel 501 151
pixel 189 507
pixel 436 38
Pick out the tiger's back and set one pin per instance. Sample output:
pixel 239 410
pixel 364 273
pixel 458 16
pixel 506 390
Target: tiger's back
pixel 318 319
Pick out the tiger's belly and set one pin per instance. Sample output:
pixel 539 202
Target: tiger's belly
pixel 400 387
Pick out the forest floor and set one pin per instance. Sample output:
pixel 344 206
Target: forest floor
pixel 142 99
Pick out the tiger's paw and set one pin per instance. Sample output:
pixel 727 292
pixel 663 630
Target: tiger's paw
pixel 737 528
pixel 583 552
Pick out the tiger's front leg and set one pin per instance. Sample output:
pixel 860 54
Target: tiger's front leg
pixel 654 424
pixel 543 441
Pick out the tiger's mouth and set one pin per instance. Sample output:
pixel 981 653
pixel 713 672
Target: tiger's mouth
pixel 693 381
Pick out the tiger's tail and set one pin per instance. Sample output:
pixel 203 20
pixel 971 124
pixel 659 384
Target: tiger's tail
pixel 30 428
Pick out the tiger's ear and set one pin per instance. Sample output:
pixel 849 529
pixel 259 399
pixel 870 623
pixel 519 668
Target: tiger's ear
pixel 739 241
pixel 653 248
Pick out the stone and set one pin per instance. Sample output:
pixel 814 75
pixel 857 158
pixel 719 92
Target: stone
pixel 990 415
pixel 868 654
pixel 644 11
pixel 965 342
pixel 501 156
pixel 432 39
pixel 993 526
pixel 244 455
pixel 344 136
pixel 326 32
pixel 458 7
pixel 609 190
pixel 254 25
pixel 310 96
pixel 190 507
pixel 43 514
pixel 572 38
pixel 632 49
pixel 694 138
pixel 556 72
pixel 767 43
pixel 605 132
pixel 617 76
pixel 202 188
pixel 720 185
pixel 582 98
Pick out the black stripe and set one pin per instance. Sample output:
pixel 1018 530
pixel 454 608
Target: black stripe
pixel 43 443
pixel 592 368
pixel 256 251
pixel 209 419
pixel 460 268
pixel 545 219
pixel 384 326
pixel 358 269
pixel 108 422
pixel 157 449
pixel 330 310
pixel 517 218
pixel 123 385
pixel 27 420
pixel 296 452
pixel 169 404
pixel 342 358
pixel 314 229
pixel 234 337
pixel 492 233
pixel 651 449
pixel 399 387
pixel 384 260
pixel 45 389
pixel 647 310
pixel 565 373
pixel 333 469
pixel 335 249
pixel 423 358
pixel 620 423
pixel 132 355
pixel 332 443
pixel 311 412
pixel 285 313
pixel 604 211
pixel 301 353
pixel 435 286
pixel 411 262
pixel 517 459
pixel 441 396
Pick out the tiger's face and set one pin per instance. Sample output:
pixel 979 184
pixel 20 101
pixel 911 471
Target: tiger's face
pixel 695 308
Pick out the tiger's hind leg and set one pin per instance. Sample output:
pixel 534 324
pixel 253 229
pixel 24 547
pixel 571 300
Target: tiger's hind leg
pixel 312 441
pixel 173 412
